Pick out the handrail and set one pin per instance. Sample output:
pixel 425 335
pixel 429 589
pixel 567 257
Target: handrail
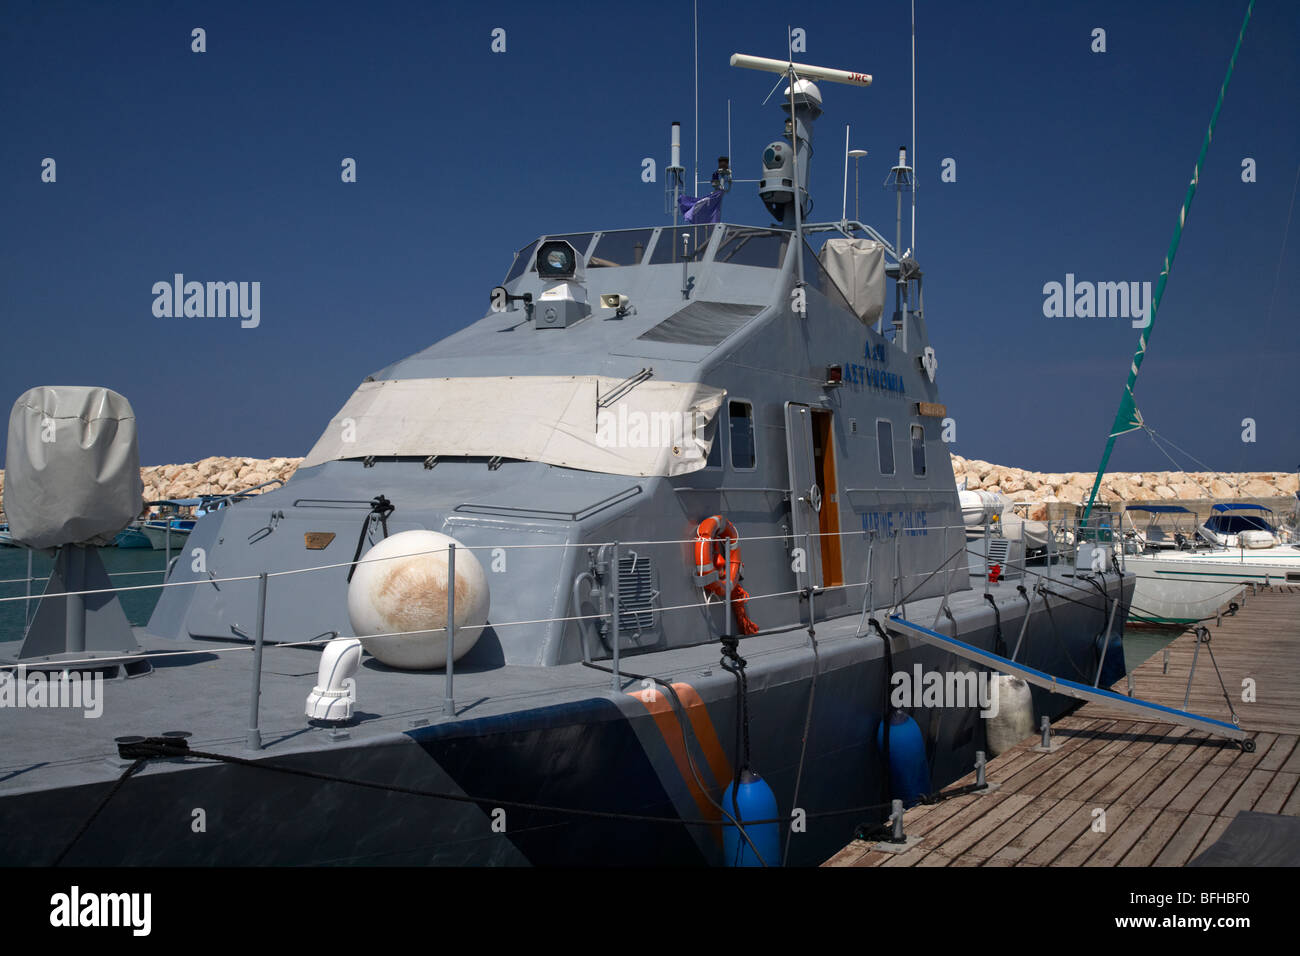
pixel 901 532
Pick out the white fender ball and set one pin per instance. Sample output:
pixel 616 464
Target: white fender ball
pixel 1014 720
pixel 400 585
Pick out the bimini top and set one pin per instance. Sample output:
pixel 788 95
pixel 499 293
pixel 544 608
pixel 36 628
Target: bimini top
pixel 1159 509
pixel 1241 507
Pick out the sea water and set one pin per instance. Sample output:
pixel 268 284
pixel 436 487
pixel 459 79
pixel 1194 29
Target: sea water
pixel 123 566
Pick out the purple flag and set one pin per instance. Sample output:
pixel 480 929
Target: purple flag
pixel 704 209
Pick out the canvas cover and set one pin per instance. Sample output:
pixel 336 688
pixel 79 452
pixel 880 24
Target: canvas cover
pixel 588 422
pixel 72 466
pixel 857 266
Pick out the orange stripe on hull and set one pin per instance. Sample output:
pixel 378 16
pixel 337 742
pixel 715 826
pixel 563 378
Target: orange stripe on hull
pixel 706 734
pixel 661 709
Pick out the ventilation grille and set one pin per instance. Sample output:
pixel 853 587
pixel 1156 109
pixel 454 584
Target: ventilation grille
pixel 998 549
pixel 636 594
pixel 701 323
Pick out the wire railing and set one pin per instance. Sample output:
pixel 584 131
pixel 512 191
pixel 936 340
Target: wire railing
pixel 1064 533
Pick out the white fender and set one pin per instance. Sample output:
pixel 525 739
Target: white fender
pixel 400 590
pixel 1014 720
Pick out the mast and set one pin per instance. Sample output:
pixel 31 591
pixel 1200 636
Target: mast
pixel 1127 418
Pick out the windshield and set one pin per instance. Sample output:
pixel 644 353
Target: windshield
pixel 753 247
pixel 623 248
pixel 684 242
pixel 523 259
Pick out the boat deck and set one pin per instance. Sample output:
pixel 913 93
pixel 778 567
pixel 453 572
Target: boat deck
pixel 207 692
pixel 1167 793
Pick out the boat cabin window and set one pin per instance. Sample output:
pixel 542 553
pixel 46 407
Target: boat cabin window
pixel 686 241
pixel 885 445
pixel 741 416
pixel 918 451
pixel 742 246
pixel 523 261
pixel 623 248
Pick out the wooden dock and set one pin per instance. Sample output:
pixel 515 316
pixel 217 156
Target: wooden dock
pixel 1166 793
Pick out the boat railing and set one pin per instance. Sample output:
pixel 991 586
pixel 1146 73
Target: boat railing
pixel 216 502
pixel 905 585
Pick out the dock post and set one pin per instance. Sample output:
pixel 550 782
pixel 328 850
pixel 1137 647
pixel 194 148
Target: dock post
pixel 1046 745
pixel 896 842
pixel 254 739
pixel 449 693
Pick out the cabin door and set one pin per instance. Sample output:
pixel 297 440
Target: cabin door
pixel 806 495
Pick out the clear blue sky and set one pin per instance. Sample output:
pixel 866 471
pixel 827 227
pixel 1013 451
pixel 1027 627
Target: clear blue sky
pixel 225 166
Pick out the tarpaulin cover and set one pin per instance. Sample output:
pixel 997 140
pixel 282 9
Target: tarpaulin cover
pixel 577 421
pixel 857 266
pixel 72 466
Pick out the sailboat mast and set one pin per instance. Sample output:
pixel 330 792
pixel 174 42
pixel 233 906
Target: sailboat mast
pixel 1127 418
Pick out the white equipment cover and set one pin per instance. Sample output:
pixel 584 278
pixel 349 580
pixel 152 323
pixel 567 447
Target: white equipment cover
pixel 652 428
pixel 72 471
pixel 857 266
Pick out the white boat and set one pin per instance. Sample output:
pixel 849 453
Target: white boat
pixel 159 530
pixel 1186 584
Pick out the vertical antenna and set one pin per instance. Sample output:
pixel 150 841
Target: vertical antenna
pixel 729 153
pixel 844 205
pixel 675 170
pixel 695 7
pixel 914 127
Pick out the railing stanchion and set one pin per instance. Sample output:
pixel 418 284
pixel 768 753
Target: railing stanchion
pixel 614 625
pixel 726 586
pixel 449 702
pixel 987 543
pixel 27 590
pixel 254 741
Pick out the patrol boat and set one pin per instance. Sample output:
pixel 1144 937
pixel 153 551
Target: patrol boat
pixel 641 415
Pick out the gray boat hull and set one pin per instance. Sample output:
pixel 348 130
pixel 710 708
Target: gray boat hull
pixel 600 752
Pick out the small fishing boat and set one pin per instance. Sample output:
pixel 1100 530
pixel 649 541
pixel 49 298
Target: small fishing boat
pixel 133 536
pixel 172 526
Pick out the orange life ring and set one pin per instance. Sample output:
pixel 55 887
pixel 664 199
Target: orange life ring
pixel 711 566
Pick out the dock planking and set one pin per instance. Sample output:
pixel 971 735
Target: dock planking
pixel 1168 792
